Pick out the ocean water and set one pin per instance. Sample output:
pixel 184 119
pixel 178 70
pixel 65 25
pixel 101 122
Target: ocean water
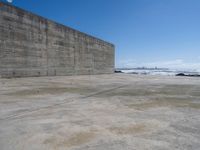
pixel 158 71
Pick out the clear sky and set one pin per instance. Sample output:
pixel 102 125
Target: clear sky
pixel 162 33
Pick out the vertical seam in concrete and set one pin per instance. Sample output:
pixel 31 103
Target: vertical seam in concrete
pixel 47 53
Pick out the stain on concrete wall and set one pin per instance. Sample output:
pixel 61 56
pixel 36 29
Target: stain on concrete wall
pixel 31 45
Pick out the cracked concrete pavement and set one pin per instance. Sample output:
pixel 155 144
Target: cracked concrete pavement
pixel 100 112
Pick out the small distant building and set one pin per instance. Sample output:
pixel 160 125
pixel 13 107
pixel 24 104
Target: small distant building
pixel 31 45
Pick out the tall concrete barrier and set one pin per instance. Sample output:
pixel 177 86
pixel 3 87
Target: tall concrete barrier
pixel 31 45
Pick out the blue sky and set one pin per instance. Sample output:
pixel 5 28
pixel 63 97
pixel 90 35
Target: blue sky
pixel 163 33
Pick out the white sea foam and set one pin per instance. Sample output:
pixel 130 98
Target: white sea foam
pixel 9 1
pixel 167 72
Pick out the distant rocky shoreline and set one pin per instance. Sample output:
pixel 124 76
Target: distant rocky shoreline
pixel 187 75
pixel 158 71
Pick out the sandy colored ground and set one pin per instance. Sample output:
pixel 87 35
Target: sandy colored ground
pixel 103 112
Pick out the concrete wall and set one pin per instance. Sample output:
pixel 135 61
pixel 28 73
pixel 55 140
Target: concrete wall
pixel 31 45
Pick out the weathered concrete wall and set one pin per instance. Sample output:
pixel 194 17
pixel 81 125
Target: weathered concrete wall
pixel 31 45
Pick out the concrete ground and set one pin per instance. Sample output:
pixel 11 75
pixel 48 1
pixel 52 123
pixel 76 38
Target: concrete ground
pixel 102 112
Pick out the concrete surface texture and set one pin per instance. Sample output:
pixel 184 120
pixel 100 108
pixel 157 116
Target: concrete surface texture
pixel 100 112
pixel 31 45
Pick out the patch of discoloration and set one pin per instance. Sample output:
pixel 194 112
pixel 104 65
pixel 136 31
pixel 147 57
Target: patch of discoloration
pixel 138 128
pixel 165 102
pixel 51 90
pixel 76 139
pixel 175 89
pixel 132 129
pixel 128 92
pixel 154 90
